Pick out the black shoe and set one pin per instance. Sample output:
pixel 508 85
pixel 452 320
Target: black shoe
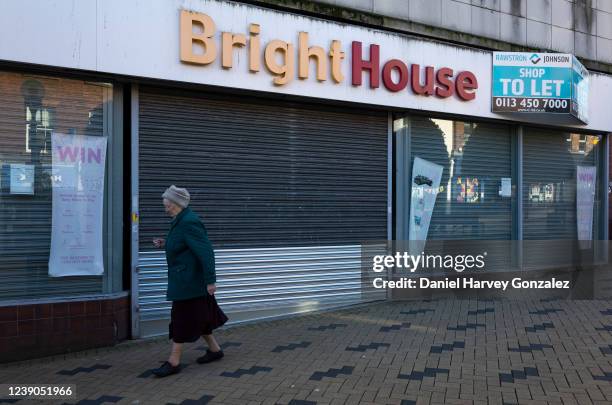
pixel 210 356
pixel 166 369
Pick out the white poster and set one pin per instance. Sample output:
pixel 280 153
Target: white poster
pixel 505 190
pixel 425 186
pixel 586 177
pixel 78 199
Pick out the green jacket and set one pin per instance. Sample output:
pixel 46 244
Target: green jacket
pixel 190 256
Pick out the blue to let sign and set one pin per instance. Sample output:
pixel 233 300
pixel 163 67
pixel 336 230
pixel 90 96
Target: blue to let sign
pixel 539 83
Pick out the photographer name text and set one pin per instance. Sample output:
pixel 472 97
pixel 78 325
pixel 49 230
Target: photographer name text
pixel 470 283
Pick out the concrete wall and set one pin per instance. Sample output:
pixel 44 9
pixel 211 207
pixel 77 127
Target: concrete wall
pixel 582 27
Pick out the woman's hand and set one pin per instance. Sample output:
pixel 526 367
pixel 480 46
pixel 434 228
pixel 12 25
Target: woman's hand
pixel 159 243
pixel 211 289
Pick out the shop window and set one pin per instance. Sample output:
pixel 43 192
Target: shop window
pixel 551 164
pixel 32 110
pixel 474 199
pixel 561 195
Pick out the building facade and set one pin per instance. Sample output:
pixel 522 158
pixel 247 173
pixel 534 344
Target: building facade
pixel 296 127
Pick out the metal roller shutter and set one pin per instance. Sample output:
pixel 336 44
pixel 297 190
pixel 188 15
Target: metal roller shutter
pixel 475 151
pixel 287 193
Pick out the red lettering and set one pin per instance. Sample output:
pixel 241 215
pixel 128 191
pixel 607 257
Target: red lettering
pixel 94 155
pixel 358 64
pixel 428 87
pixel 396 75
pixel 466 84
pixel 402 70
pixel 85 155
pixel 66 152
pixel 445 84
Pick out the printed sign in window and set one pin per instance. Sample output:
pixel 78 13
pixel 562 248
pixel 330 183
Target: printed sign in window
pixel 22 179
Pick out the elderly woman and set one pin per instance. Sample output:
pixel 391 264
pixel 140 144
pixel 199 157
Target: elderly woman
pixel 191 282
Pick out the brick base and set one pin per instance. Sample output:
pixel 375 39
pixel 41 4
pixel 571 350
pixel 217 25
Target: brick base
pixel 30 331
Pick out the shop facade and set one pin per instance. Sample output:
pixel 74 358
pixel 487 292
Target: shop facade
pixel 297 138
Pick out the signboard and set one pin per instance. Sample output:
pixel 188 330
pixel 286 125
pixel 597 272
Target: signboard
pixel 505 188
pixel 148 47
pixel 426 178
pixel 580 91
pixel 525 82
pixel 78 198
pixel 586 177
pixel 22 179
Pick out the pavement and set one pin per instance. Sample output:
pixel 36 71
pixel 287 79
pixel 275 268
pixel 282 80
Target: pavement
pixel 417 352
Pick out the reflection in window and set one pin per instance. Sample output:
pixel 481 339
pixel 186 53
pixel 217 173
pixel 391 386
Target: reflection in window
pixel 42 120
pixel 456 135
pixel 476 161
pixel 551 161
pixel 539 192
pixel 468 190
pixel 580 147
pixel 31 109
pixel 582 144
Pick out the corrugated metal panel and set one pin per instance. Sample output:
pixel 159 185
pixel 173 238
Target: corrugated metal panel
pixel 280 280
pixel 67 106
pixel 467 151
pixel 549 192
pixel 264 176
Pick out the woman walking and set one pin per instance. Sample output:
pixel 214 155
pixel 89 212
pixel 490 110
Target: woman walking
pixel 191 282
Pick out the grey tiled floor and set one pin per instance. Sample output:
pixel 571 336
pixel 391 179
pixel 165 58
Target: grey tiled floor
pixel 438 352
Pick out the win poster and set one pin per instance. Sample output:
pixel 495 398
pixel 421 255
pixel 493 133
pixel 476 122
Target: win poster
pixel 78 199
pixel 586 177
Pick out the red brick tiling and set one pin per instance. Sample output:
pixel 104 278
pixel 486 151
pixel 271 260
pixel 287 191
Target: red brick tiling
pixel 25 312
pixel 120 304
pixel 8 314
pixel 92 323
pixel 106 307
pixel 100 337
pixel 107 321
pixel 26 328
pixel 7 344
pixel 61 324
pixel 123 325
pixel 77 308
pixel 47 329
pixel 8 329
pixel 43 311
pixel 61 309
pixel 44 326
pixel 27 342
pixel 77 325
pixel 92 308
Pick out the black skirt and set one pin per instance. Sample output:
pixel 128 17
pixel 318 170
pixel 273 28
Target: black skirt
pixel 192 318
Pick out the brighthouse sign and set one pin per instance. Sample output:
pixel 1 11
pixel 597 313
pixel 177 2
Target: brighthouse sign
pixel 201 43
pixel 539 83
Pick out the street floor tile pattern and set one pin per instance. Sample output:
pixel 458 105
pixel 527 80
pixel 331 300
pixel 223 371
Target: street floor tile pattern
pixel 400 353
